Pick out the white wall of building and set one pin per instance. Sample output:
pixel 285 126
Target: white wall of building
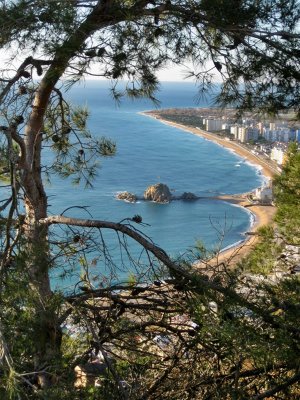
pixel 214 125
pixel 277 154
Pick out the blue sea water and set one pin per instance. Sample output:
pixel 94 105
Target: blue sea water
pixel 148 152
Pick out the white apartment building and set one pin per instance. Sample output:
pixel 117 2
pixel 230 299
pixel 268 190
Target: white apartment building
pixel 213 124
pixel 260 127
pixel 264 194
pixel 277 155
pixel 234 130
pixel 243 134
pixel 247 133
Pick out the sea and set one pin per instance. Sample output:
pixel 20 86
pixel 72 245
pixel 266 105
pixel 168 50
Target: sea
pixel 148 152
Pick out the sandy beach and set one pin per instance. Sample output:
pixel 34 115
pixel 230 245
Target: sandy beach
pixel 263 214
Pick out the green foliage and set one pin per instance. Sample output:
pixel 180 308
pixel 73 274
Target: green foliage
pixel 247 42
pixel 287 184
pixel 287 195
pixel 77 152
pixel 4 165
pixel 262 258
pixel 35 24
pixel 7 155
pixel 244 340
pixel 286 188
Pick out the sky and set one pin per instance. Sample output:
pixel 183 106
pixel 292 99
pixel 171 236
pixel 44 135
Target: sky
pixel 172 73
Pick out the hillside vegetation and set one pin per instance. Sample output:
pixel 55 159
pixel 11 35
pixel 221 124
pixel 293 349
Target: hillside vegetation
pixel 280 243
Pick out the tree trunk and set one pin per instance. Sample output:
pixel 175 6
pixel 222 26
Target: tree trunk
pixel 47 333
pixel 46 329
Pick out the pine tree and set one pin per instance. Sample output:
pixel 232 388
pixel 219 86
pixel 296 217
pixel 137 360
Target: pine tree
pixel 252 45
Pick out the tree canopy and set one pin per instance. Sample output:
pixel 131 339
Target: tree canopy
pixel 253 46
pixel 218 335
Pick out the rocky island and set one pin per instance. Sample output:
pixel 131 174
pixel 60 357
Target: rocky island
pixel 158 193
pixel 127 196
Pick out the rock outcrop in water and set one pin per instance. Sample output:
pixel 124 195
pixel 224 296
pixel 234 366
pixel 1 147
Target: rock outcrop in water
pixel 188 196
pixel 160 193
pixel 127 196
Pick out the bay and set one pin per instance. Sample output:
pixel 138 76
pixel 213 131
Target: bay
pixel 148 152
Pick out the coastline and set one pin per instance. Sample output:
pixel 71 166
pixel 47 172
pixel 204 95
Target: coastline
pixel 230 256
pixel 267 170
pixel 262 214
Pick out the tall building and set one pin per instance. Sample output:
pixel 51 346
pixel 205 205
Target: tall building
pixel 278 154
pixel 260 127
pixel 213 124
pixel 246 133
pixel 234 130
pixel 243 134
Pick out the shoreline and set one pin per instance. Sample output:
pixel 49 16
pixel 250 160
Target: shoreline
pixel 232 254
pixel 267 170
pixel 262 214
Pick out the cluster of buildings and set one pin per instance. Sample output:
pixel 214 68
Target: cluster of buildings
pixel 271 139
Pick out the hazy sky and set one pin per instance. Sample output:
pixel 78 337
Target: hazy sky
pixel 171 73
pixel 174 73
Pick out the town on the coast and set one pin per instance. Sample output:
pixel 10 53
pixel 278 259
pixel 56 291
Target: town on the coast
pixel 263 136
pixel 267 139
